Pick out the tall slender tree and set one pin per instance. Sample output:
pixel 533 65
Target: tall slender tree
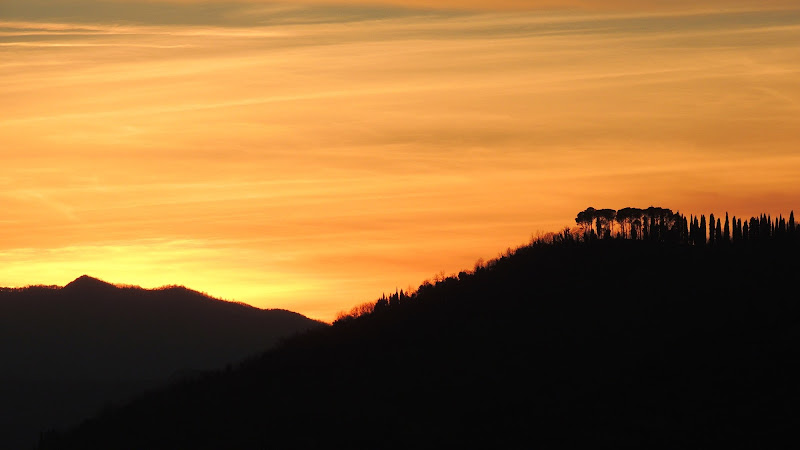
pixel 712 232
pixel 703 229
pixel 727 233
pixel 696 231
pixel 685 229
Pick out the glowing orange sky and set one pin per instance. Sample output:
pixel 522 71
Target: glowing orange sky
pixel 312 157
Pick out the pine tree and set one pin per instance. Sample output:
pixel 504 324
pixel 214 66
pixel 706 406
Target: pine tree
pixel 653 229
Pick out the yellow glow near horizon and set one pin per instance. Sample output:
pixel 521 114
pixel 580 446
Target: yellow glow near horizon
pixel 312 162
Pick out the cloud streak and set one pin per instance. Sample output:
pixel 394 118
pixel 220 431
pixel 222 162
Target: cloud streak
pixel 259 13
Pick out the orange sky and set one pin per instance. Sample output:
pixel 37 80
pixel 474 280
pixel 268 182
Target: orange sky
pixel 312 157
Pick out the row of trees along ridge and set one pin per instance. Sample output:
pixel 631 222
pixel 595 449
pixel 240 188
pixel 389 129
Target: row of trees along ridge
pixel 661 224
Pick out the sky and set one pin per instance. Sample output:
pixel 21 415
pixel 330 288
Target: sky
pixel 313 155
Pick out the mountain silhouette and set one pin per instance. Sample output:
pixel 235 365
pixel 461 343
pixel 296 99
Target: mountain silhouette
pixel 68 351
pixel 87 284
pixel 563 343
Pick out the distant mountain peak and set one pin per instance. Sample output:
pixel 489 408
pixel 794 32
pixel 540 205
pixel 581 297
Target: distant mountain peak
pixel 85 282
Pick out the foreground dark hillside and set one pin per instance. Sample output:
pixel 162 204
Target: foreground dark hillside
pixel 608 342
pixel 68 351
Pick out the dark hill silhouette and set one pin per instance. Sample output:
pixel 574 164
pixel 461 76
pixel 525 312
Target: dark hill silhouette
pixel 562 344
pixel 87 284
pixel 68 351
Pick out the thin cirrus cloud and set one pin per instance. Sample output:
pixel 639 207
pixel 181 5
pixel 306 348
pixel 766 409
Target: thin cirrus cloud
pixel 591 5
pixel 253 12
pixel 311 157
pixel 481 4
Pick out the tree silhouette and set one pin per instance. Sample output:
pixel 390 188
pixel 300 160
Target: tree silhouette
pixel 727 233
pixel 381 305
pixel 739 229
pixel 712 231
pixel 605 221
pixel 624 218
pixel 703 239
pixel 585 220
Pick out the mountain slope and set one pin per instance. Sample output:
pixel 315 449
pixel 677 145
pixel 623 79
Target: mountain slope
pixel 67 351
pixel 624 343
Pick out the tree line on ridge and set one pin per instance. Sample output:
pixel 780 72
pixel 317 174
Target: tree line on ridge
pixel 661 224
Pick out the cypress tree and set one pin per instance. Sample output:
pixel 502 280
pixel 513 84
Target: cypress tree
pixel 711 231
pixel 685 229
pixel 739 228
pixel 791 222
pixel 703 229
pixel 769 229
pixel 727 233
pixel 718 237
pixel 697 235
